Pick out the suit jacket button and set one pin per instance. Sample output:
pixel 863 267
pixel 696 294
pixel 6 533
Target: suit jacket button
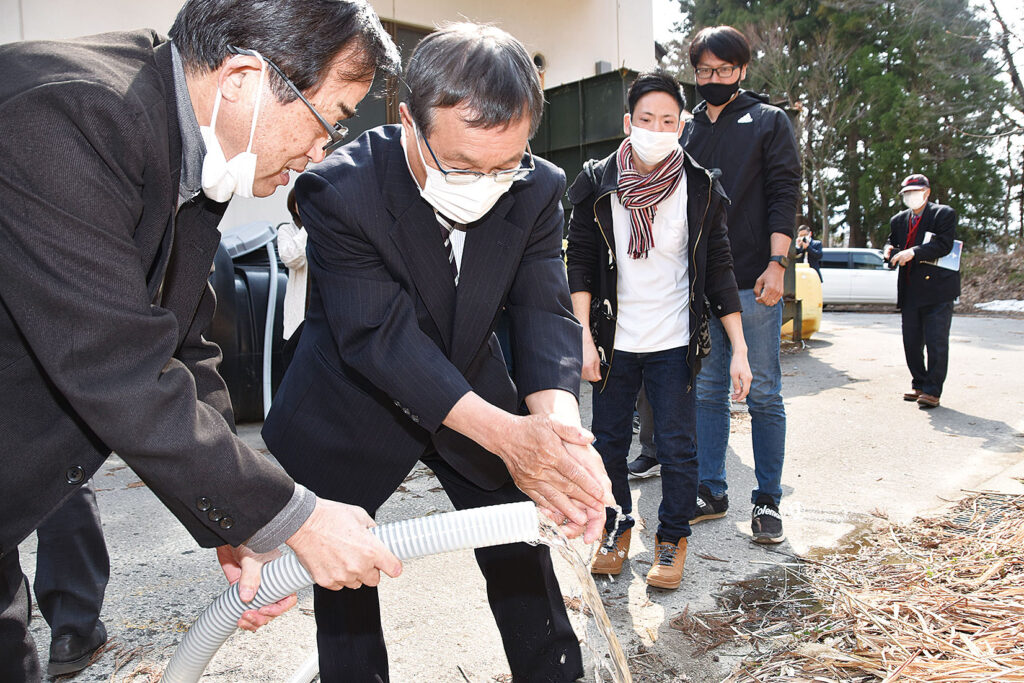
pixel 75 474
pixel 203 504
pixel 415 418
pixel 227 523
pixel 215 515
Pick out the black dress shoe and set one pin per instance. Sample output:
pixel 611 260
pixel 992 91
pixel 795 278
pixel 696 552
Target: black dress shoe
pixel 71 652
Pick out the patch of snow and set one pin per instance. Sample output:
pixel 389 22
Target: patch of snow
pixel 1013 305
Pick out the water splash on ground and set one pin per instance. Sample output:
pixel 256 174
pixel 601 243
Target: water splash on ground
pixel 611 665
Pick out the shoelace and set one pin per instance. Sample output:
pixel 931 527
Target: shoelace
pixel 612 545
pixel 667 553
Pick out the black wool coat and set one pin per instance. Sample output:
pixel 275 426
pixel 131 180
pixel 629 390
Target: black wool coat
pixel 104 296
pixel 920 283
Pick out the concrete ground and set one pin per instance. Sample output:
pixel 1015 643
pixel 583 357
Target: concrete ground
pixel 854 449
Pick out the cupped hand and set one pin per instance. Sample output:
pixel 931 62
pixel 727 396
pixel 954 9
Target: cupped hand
pixel 536 450
pixel 902 258
pixel 242 566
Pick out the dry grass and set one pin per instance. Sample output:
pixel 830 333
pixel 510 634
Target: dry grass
pixel 990 277
pixel 936 600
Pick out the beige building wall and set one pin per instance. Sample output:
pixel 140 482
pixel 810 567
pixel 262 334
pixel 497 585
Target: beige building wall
pixel 572 35
pixel 56 19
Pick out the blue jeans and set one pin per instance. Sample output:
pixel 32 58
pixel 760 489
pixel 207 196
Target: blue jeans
pixel 762 326
pixel 665 376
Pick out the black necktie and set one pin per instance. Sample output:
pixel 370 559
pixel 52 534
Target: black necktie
pixel 446 234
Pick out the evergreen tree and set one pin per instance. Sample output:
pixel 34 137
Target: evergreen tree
pixel 886 88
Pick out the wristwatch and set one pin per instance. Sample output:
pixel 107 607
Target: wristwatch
pixel 781 260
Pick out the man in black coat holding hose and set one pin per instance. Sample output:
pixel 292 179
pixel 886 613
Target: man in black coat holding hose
pixel 119 153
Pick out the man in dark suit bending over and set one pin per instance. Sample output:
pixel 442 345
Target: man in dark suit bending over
pixel 119 153
pixel 419 234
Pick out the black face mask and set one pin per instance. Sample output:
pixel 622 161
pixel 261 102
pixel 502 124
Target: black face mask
pixel 718 94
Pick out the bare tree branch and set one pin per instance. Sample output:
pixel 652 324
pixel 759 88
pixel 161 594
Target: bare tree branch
pixel 1004 45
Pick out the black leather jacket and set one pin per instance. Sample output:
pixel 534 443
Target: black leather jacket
pixel 591 254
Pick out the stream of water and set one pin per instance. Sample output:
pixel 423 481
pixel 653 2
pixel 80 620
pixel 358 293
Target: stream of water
pixel 615 665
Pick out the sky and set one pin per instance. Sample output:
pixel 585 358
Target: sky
pixel 666 13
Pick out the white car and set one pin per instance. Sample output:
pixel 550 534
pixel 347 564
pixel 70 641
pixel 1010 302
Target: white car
pixel 856 276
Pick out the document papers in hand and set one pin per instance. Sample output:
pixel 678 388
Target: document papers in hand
pixel 950 261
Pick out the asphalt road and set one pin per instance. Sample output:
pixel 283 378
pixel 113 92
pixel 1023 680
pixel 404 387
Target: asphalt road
pixel 854 449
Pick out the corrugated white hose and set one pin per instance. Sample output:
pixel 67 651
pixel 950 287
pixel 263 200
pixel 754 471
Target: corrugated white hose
pixel 409 538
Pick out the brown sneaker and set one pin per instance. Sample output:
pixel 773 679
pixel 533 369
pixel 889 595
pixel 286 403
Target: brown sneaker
pixel 928 401
pixel 667 570
pixel 912 395
pixel 611 554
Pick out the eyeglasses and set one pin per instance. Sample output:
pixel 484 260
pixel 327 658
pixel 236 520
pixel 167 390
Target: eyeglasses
pixel 336 132
pixel 467 177
pixel 722 71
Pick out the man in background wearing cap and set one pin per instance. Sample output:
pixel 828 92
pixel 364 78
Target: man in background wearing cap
pixel 917 237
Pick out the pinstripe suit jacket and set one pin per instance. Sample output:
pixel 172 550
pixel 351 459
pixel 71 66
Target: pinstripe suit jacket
pixel 390 346
pixel 104 296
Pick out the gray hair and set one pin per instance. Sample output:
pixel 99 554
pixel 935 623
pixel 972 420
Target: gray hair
pixel 301 36
pixel 476 66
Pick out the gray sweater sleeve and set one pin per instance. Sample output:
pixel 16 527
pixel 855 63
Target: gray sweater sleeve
pixel 286 523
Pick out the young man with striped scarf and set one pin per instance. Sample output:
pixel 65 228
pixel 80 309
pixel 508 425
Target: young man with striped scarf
pixel 647 243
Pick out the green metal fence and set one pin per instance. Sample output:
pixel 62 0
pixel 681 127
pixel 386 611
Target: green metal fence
pixel 583 120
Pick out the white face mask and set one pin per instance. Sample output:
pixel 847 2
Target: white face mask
pixel 913 199
pixel 223 178
pixel 652 147
pixel 462 203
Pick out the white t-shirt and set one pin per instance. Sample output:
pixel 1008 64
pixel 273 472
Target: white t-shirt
pixel 654 292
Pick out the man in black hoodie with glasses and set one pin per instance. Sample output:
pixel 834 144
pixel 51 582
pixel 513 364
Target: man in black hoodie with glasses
pixel 752 144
